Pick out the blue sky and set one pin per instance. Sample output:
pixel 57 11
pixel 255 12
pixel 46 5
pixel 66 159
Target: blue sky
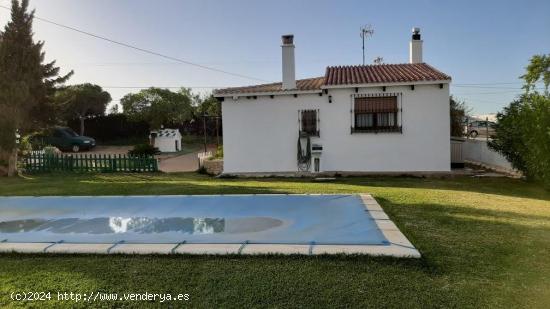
pixel 485 43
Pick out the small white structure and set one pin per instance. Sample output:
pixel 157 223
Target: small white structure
pixel 166 140
pixel 386 118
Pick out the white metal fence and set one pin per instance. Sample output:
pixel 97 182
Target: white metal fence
pixel 203 156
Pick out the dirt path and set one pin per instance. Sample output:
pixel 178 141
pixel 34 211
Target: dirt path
pixel 182 163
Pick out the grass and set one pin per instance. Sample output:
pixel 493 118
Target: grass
pixel 485 243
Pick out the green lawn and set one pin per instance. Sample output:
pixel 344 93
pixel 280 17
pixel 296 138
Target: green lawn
pixel 485 243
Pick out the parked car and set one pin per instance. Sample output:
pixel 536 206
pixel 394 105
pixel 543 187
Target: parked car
pixel 65 139
pixel 481 127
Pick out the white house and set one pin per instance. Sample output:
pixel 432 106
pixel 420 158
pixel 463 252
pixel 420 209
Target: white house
pixel 166 140
pixel 385 118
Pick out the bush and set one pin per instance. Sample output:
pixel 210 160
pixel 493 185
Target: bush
pixel 51 150
pixel 522 135
pixel 25 146
pixel 144 150
pixel 459 111
pixel 218 154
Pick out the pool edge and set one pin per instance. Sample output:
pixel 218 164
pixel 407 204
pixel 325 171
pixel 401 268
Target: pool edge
pixel 399 245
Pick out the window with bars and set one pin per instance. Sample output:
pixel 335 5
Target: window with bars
pixel 309 122
pixel 375 114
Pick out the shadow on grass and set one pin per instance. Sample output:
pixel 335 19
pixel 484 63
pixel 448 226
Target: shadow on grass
pixel 482 242
pixel 486 185
pixel 192 183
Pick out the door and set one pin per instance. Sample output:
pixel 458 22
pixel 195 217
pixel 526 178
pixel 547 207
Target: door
pixel 317 165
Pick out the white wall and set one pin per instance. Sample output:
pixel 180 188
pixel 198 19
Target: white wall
pixel 478 151
pixel 260 135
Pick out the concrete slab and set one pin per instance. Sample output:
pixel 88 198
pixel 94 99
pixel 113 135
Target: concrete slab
pixel 373 207
pixel 386 225
pixel 143 248
pixel 79 248
pixel 392 250
pixel 23 247
pixel 379 215
pixel 397 238
pixel 275 249
pixel 208 249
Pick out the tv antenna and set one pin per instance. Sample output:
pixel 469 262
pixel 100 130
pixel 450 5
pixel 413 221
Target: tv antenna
pixel 366 31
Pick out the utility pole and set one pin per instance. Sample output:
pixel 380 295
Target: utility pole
pixel 204 129
pixel 366 31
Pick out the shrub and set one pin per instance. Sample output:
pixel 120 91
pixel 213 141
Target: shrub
pixel 523 129
pixel 51 150
pixel 459 111
pixel 522 135
pixel 218 154
pixel 144 150
pixel 25 146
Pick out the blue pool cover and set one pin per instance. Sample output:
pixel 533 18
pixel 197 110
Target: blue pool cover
pixel 273 219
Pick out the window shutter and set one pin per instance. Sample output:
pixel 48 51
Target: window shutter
pixel 376 105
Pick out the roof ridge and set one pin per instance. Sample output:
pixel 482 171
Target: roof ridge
pixel 351 75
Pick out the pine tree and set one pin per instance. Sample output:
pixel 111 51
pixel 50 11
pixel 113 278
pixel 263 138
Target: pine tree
pixel 26 83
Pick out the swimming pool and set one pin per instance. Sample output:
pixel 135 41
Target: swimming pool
pixel 209 219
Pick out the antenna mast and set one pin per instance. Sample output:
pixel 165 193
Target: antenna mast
pixel 366 31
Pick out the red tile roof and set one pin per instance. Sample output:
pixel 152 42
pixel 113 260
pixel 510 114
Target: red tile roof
pixel 351 75
pixel 382 73
pixel 301 85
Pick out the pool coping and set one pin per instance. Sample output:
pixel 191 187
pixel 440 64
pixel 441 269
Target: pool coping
pixel 399 245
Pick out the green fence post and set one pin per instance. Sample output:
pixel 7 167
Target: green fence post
pixel 106 164
pixel 113 163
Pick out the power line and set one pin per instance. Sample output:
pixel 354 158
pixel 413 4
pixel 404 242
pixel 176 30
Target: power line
pixel 498 92
pixel 142 49
pixel 490 87
pixel 486 87
pixel 496 83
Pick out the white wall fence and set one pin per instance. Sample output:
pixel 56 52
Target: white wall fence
pixel 477 151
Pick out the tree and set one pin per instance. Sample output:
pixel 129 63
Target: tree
pixel 459 111
pixel 25 81
pixel 508 139
pixel 115 109
pixel 522 132
pixel 209 106
pixel 158 107
pixel 538 68
pixel 82 101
